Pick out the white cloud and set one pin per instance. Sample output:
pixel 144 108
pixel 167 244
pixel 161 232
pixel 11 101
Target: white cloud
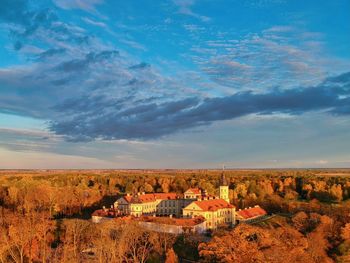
pixel 94 23
pixel 281 56
pixel 185 8
pixel 87 5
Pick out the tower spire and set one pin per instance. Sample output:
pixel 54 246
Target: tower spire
pixel 223 178
pixel 223 188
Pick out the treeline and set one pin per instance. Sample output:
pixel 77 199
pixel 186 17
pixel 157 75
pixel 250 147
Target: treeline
pixel 72 192
pixel 42 213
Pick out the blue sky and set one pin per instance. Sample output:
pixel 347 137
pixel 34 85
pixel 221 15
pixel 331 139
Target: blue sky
pixel 175 84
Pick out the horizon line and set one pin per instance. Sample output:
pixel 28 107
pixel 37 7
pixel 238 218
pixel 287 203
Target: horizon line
pixel 162 169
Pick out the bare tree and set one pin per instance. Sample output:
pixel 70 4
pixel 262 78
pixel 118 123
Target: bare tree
pixel 135 241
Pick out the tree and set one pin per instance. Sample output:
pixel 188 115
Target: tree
pixel 171 256
pixel 300 221
pixel 241 190
pixel 107 241
pixel 345 232
pixel 291 195
pixel 148 188
pixel 239 245
pixel 336 192
pixel 318 239
pixel 24 237
pixel 135 242
pixel 74 240
pixel 162 242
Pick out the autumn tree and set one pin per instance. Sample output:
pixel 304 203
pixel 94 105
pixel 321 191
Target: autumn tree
pixel 318 239
pixel 171 256
pixel 135 241
pixel 74 240
pixel 300 221
pixel 344 247
pixel 26 236
pixel 107 241
pixel 239 245
pixel 345 232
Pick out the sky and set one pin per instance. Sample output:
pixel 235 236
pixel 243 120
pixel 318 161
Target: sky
pixel 174 84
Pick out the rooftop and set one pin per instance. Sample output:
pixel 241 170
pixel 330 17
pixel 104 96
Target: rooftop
pixel 213 204
pixel 147 198
pixel 251 212
pixel 196 191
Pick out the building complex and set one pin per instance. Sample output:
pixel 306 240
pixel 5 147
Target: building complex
pixel 195 210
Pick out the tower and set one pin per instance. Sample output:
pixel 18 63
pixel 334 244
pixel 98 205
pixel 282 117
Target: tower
pixel 224 192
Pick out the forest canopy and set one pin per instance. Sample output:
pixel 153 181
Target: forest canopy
pixel 45 217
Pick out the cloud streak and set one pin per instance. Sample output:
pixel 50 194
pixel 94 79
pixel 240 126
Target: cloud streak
pixel 87 5
pixel 150 121
pixel 281 56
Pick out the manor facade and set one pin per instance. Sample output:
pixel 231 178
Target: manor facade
pixel 195 202
pixel 195 210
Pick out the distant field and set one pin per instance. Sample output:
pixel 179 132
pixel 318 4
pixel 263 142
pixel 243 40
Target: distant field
pixel 173 172
pixel 335 174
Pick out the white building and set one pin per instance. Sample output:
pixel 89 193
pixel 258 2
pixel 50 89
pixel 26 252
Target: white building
pixel 195 211
pixel 215 211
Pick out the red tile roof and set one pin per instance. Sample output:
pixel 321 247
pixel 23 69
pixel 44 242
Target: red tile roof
pixel 196 191
pixel 166 196
pixel 250 213
pixel 147 198
pixel 213 204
